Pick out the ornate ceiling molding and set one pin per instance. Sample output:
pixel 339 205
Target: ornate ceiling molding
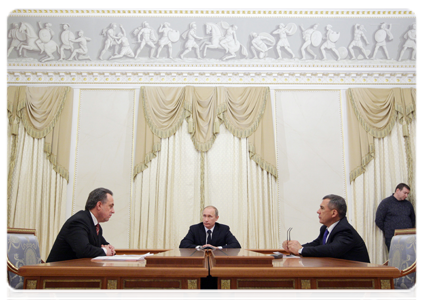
pixel 219 12
pixel 235 78
pixel 275 46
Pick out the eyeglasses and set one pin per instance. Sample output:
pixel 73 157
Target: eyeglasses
pixel 288 234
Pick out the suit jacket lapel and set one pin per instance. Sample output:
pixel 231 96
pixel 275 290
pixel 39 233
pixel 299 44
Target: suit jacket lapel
pixel 93 231
pixel 202 235
pixel 215 235
pixel 335 230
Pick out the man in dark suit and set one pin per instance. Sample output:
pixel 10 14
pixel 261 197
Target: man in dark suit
pixel 337 237
pixel 209 233
pixel 81 235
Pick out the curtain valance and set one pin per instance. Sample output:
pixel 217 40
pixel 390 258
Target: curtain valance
pixel 245 111
pixel 45 112
pixel 371 114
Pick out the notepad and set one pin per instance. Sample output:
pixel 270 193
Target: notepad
pixel 122 257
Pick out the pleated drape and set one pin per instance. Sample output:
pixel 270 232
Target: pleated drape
pixel 381 130
pixel 371 114
pixel 39 127
pixel 230 162
pixel 245 111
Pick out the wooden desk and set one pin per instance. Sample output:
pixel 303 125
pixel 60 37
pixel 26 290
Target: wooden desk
pixel 300 273
pixel 234 268
pixel 171 273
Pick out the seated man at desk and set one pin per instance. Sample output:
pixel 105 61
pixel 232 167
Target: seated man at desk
pixel 82 236
pixel 337 237
pixel 209 233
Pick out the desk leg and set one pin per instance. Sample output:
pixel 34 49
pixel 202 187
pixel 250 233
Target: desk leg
pixel 112 296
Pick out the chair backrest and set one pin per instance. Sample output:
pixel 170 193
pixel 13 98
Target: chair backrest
pixel 402 255
pixel 22 249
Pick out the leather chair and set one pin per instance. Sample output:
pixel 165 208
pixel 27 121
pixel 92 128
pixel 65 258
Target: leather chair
pixel 402 255
pixel 22 249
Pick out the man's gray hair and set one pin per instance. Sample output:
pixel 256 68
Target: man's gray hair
pixel 99 194
pixel 216 212
pixel 338 203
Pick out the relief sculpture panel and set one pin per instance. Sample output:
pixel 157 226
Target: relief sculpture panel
pixel 340 38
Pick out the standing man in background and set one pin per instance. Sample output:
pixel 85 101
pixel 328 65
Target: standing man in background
pixel 395 212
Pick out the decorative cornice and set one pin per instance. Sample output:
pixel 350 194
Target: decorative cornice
pixel 237 78
pixel 218 64
pixel 212 12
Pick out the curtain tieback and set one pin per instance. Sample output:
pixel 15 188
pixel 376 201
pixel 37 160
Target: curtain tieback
pixel 216 126
pixel 405 128
pixel 15 127
pixel 190 125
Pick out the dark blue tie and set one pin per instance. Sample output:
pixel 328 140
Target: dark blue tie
pixel 325 235
pixel 209 236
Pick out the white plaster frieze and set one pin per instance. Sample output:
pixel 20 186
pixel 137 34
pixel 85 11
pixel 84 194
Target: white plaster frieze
pixel 64 39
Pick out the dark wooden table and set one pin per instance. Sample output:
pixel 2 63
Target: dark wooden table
pixel 297 273
pixel 174 269
pixel 233 268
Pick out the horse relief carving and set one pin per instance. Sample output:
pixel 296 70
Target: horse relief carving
pixel 38 42
pixel 222 40
pixel 223 36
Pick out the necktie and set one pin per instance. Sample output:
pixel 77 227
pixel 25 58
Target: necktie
pixel 209 236
pixel 97 228
pixel 325 235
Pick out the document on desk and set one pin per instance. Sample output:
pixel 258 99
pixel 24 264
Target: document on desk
pixel 122 257
pixel 290 256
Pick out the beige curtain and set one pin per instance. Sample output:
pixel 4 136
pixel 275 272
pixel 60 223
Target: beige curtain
pixel 371 114
pixel 245 194
pixel 383 173
pixel 230 162
pixel 243 110
pixel 39 127
pixel 381 129
pixel 166 195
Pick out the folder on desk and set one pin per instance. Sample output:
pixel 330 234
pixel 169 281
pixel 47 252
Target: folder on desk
pixel 122 257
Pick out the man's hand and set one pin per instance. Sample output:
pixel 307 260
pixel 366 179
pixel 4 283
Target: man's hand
pixel 208 245
pixel 294 246
pixel 285 245
pixel 110 250
pixel 113 249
